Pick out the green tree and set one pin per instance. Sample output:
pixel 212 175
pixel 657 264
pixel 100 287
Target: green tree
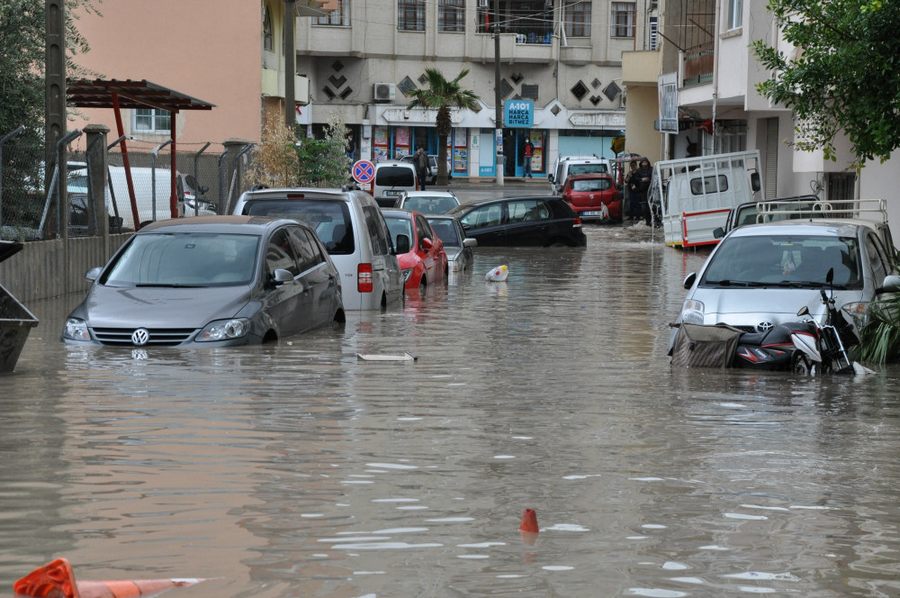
pixel 275 161
pixel 441 94
pixel 844 75
pixel 324 162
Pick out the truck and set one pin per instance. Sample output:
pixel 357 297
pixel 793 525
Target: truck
pixel 692 197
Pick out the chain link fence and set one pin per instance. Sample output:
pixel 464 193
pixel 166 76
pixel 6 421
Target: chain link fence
pixel 207 182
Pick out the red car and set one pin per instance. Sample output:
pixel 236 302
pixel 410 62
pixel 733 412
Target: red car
pixel 426 261
pixel 594 197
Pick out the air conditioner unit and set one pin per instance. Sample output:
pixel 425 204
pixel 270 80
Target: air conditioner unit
pixel 384 92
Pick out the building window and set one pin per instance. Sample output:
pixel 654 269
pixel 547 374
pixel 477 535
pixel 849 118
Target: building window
pixel 338 17
pixel 735 14
pixel 268 42
pixel 578 19
pixel 622 22
pixel 151 120
pixel 653 33
pixel 411 15
pixel 451 15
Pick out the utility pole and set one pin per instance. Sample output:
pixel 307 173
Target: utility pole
pixel 498 101
pixel 55 94
pixel 290 67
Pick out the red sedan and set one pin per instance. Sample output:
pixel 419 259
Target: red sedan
pixel 426 261
pixel 594 197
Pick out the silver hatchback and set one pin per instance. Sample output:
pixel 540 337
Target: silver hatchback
pixel 762 275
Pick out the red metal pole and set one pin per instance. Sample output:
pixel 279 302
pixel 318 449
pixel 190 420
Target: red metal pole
pixel 125 162
pixel 173 198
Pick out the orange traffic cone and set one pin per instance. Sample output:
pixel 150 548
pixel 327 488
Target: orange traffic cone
pixel 529 522
pixel 56 580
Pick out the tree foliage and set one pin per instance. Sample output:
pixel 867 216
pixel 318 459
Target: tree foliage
pixel 844 75
pixel 441 94
pixel 324 162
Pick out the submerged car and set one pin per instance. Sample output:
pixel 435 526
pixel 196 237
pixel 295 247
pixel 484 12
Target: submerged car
pixel 458 247
pixel 521 221
pixel 594 197
pixel 210 281
pixel 428 202
pixel 425 262
pixel 762 275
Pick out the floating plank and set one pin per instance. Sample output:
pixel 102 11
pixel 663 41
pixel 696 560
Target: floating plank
pixel 385 357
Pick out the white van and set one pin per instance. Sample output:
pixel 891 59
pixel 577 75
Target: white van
pixel 569 165
pixel 391 179
pixel 143 181
pixel 351 228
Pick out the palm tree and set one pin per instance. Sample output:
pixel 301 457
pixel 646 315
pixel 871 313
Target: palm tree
pixel 443 94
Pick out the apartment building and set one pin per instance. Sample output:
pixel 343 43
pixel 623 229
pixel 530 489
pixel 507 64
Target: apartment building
pixel 706 48
pixel 562 57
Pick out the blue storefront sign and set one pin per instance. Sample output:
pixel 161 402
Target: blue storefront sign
pixel 518 113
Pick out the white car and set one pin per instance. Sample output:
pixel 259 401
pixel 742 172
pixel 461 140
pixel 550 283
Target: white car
pixel 428 202
pixel 762 275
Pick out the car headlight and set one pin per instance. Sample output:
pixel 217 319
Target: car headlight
pixel 407 272
pixel 223 330
pixel 692 312
pixel 858 312
pixel 76 329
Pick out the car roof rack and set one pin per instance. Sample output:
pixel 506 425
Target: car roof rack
pixel 862 209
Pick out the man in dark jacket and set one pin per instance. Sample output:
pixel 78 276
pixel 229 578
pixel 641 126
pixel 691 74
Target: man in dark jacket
pixel 641 181
pixel 420 160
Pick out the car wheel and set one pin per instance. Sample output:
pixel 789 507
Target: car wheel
pixel 558 243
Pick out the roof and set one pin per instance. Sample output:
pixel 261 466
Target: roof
pixel 427 193
pixel 837 228
pixel 98 93
pixel 248 225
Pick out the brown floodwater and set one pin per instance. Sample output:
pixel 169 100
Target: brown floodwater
pixel 299 470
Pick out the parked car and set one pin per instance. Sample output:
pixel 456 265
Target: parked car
pixel 353 231
pixel 432 167
pixel 457 246
pixel 762 275
pixel 210 281
pixel 391 180
pixel 594 197
pixel 567 166
pixel 521 221
pixel 426 262
pixel 428 202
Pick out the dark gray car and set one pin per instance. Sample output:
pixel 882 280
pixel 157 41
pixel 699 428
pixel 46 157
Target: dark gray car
pixel 210 281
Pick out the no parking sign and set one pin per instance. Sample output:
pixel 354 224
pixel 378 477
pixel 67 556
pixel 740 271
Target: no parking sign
pixel 363 171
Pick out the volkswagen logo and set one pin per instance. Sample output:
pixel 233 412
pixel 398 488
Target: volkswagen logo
pixel 140 337
pixel 764 326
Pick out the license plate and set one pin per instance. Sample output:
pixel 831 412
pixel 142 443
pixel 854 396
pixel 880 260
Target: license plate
pixel 592 213
pixel 392 192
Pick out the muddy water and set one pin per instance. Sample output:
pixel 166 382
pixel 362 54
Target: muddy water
pixel 297 470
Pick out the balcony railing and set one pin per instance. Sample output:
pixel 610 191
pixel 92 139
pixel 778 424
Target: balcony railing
pixel 697 64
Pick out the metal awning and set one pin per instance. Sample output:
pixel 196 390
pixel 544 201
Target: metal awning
pixel 98 93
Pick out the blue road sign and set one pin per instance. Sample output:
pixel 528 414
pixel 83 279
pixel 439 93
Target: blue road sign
pixel 363 171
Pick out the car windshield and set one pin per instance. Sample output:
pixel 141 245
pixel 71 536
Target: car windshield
pixel 591 185
pixel 329 218
pixel 446 230
pixel 395 176
pixel 399 225
pixel 430 205
pixel 587 168
pixel 789 261
pixel 189 259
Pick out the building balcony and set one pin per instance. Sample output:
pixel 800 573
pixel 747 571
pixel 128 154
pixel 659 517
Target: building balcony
pixel 697 65
pixel 575 55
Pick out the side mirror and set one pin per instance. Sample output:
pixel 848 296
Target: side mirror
pixel 426 243
pixel 804 311
pixel 689 280
pixel 550 178
pixel 402 244
pixel 470 242
pixel 891 284
pixel 94 273
pixel 755 183
pixel 718 232
pixel 281 276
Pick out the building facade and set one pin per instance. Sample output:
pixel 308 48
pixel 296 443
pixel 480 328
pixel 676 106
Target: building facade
pixel 562 57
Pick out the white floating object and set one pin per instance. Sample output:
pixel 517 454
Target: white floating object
pixel 384 357
pixel 498 274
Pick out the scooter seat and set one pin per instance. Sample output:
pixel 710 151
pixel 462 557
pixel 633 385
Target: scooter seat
pixel 753 338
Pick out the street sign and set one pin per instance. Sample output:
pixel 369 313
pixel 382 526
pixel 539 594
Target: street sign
pixel 363 171
pixel 518 113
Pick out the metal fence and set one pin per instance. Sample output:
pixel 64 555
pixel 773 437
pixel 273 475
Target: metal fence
pixel 206 182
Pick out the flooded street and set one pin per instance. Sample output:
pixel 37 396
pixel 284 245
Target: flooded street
pixel 298 470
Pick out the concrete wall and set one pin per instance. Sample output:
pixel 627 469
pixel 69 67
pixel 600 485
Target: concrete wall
pixel 641 110
pixel 882 180
pixel 39 270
